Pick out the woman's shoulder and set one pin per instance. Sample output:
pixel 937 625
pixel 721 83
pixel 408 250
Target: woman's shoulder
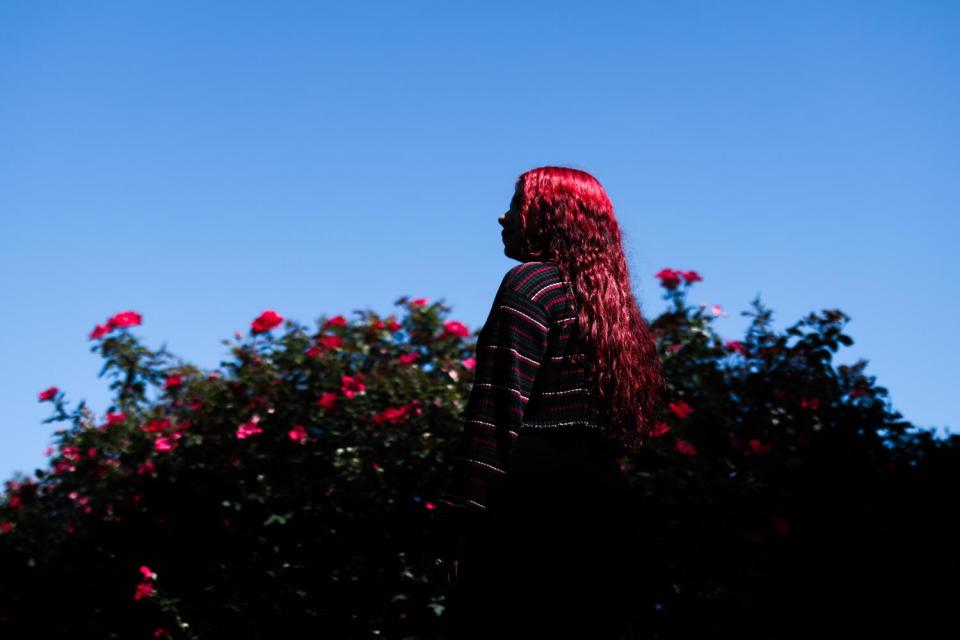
pixel 530 277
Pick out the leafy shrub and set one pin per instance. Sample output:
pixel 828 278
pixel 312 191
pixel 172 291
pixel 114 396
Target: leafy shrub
pixel 294 491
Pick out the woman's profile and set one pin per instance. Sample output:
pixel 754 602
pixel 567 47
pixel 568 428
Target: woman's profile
pixel 567 381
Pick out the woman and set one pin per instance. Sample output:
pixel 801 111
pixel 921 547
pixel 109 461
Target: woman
pixel 567 380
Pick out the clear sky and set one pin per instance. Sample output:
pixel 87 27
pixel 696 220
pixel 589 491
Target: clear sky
pixel 202 162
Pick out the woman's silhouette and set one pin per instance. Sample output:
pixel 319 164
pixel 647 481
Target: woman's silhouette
pixel 567 380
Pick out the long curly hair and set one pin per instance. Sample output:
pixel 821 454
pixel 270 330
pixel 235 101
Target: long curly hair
pixel 566 217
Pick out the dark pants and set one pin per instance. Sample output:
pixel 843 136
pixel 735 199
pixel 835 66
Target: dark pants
pixel 551 558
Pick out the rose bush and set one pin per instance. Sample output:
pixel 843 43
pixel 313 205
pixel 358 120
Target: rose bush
pixel 293 490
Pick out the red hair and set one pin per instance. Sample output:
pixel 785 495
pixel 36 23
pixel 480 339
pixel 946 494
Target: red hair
pixel 567 218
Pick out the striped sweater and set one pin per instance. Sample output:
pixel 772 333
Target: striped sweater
pixel 527 376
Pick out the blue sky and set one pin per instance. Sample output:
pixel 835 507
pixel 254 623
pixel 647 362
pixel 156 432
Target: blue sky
pixel 202 162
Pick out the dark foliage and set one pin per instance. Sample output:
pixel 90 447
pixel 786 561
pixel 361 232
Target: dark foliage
pixel 782 497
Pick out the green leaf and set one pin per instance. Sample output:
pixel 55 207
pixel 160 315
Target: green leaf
pixel 276 517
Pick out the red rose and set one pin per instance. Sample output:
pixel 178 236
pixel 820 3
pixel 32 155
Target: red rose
pixel 328 400
pixel 681 409
pixel 266 321
pixel 125 319
pixel 335 321
pixel 455 328
pixel 669 278
pixel 48 393
pixel 686 448
pixel 99 331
